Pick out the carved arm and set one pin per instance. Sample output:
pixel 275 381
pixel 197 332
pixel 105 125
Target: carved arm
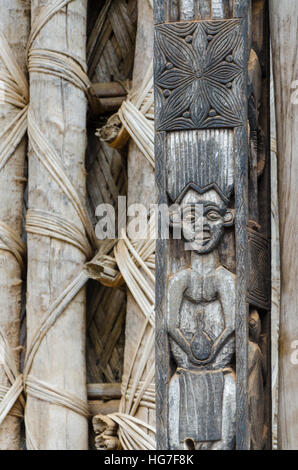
pixel 177 286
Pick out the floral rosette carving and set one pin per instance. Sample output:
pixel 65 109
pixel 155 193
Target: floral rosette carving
pixel 199 75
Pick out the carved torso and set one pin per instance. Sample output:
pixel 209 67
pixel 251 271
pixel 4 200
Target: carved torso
pixel 202 320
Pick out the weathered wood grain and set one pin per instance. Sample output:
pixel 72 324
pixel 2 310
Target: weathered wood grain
pixel 60 111
pixel 105 391
pixel 109 89
pixel 283 26
pixel 12 181
pixel 101 407
pixel 140 190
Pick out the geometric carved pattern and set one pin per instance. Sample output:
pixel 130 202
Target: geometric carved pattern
pixel 198 74
pixel 259 275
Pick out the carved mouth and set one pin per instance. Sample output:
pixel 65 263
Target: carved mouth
pixel 206 236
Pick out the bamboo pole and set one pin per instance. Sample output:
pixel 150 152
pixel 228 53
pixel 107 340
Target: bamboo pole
pixel 283 19
pixel 141 190
pixel 59 109
pixel 11 201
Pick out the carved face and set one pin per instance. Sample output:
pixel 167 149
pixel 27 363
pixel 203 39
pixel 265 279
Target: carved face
pixel 204 217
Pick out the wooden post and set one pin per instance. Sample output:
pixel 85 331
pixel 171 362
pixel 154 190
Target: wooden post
pixel 140 190
pixel 13 12
pixel 283 27
pixel 212 169
pixel 58 110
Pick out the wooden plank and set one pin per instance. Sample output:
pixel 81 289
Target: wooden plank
pixel 162 352
pixel 105 391
pixel 222 9
pixel 283 27
pixel 241 206
pixel 108 90
pixel 100 407
pixel 105 105
pixel 159 11
pixel 241 8
pixel 186 11
pixel 203 9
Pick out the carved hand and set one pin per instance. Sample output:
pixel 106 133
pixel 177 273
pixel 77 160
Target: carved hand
pixel 178 337
pixel 215 349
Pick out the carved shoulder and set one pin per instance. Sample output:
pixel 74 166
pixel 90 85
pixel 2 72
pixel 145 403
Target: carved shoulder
pixel 225 279
pixel 177 285
pixel 180 280
pixel 226 287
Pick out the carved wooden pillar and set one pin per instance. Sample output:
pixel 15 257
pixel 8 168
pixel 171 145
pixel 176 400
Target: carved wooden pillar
pixel 213 284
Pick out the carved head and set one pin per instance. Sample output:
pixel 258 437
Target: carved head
pixel 254 326
pixel 202 219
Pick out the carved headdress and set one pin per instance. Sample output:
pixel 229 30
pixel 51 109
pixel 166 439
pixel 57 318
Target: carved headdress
pixel 201 160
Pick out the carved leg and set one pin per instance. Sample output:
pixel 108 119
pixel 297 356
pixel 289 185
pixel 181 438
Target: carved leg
pixel 228 418
pixel 174 402
pixel 174 417
pixel 228 415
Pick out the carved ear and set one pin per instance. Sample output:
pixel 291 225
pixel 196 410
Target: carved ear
pixel 174 216
pixel 229 218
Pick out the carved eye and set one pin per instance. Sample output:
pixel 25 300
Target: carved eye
pixel 213 215
pixel 190 218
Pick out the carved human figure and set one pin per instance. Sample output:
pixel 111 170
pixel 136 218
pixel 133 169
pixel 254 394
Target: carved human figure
pixel 201 330
pixel 256 384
